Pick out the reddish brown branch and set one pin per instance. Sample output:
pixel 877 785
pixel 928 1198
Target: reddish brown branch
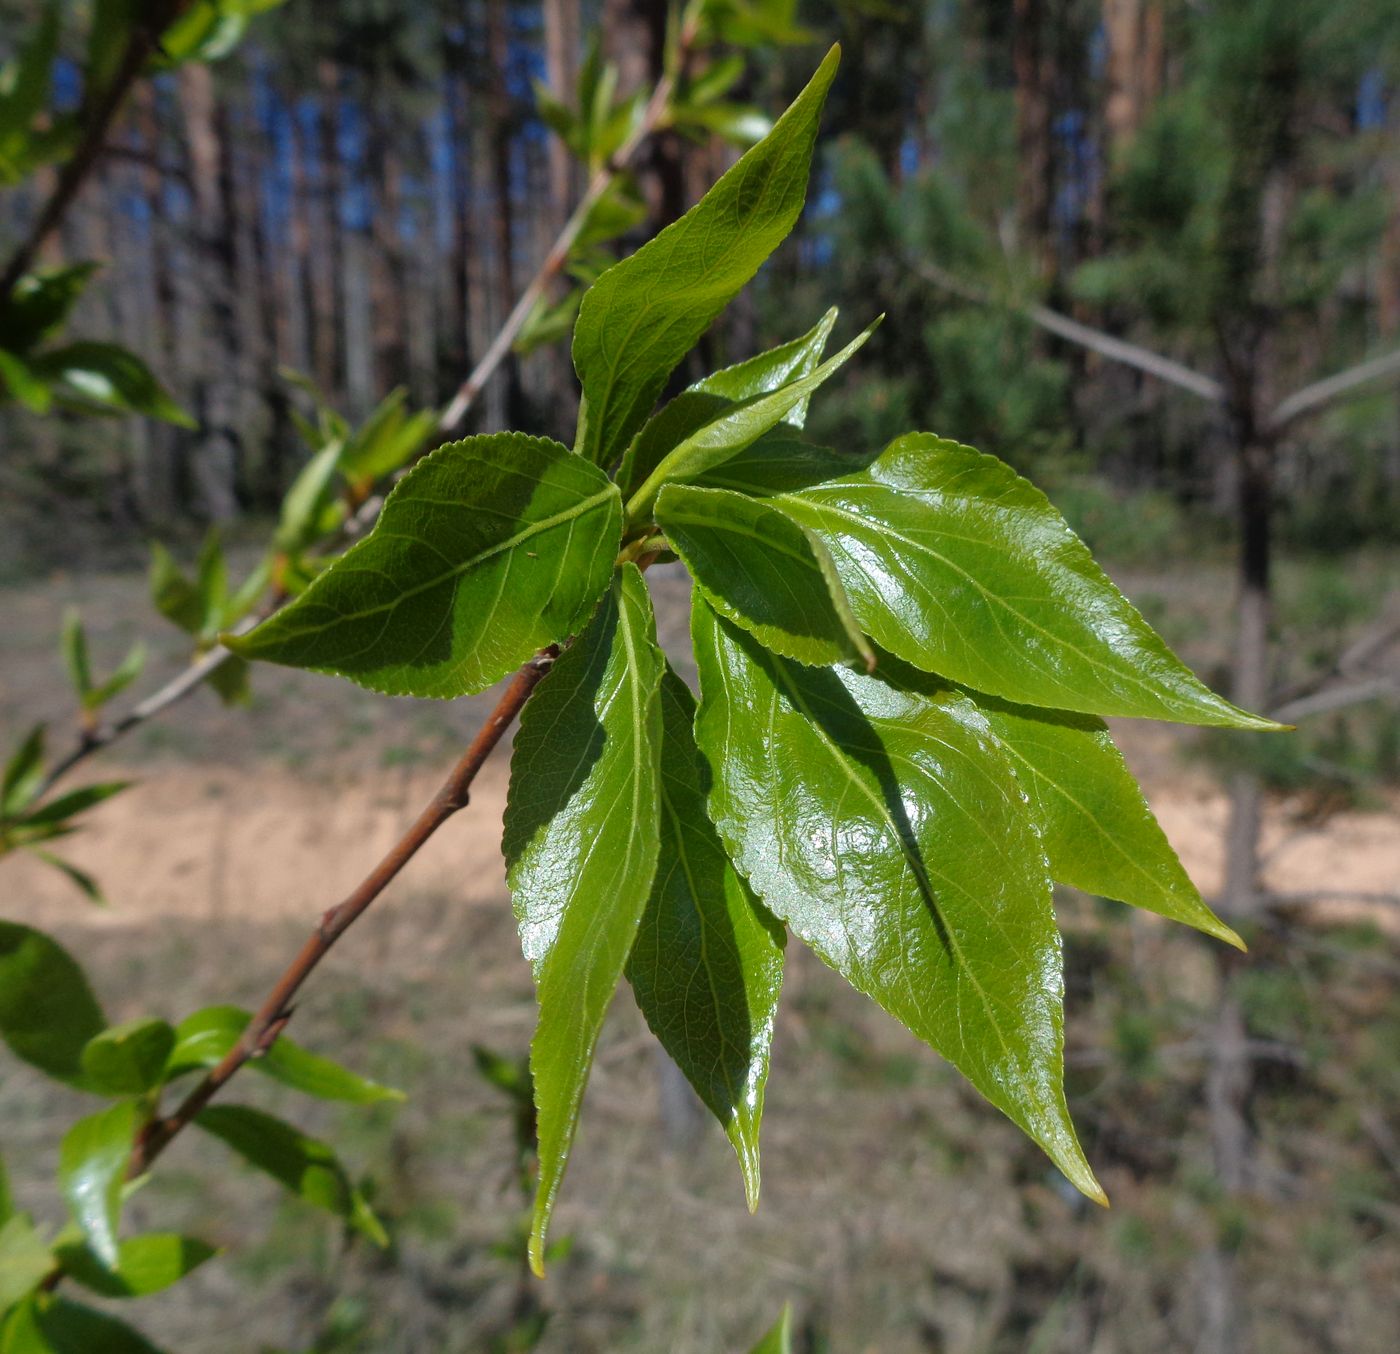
pixel 276 1010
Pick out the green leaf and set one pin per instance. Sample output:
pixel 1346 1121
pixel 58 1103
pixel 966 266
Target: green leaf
pixel 172 593
pixel 581 840
pixel 145 1264
pixel 47 1010
pixel 303 1165
pixel 40 304
pixel 642 316
pixel 891 835
pixel 7 1201
pixel 707 964
pixel 956 564
pixel 312 496
pixel 211 582
pixel 73 642
pixel 80 879
pixel 487 551
pixel 107 379
pixel 697 405
pixel 230 681
pixel 759 568
pixel 92 1163
pixel 74 802
pixel 122 677
pixel 53 1325
pixel 25 1261
pixel 19 379
pixel 779 1339
pixel 23 773
pixel 735 428
pixel 128 1059
pixel 204 1038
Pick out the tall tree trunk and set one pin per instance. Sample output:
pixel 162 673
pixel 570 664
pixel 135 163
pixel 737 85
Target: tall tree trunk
pixel 500 140
pixel 561 46
pixel 217 457
pixel 328 333
pixel 1033 64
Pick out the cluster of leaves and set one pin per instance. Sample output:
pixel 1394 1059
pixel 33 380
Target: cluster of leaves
pixel 600 123
pixel 904 659
pixel 50 1019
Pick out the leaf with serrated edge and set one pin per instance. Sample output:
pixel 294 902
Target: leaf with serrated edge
pixel 581 840
pixel 696 405
pixel 707 965
pixel 891 835
pixel 644 314
pixel 956 564
pixel 488 550
pixel 763 571
pixel 91 1168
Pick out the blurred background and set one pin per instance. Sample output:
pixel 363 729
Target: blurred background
pixel 1148 251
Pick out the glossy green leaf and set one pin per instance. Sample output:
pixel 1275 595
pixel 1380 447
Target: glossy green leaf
pixel 488 550
pixel 698 404
pixel 581 843
pixel 47 1010
pixel 128 1059
pixel 778 1340
pixel 23 773
pixel 25 1261
pixel 204 1038
pixel 890 833
pixel 92 1163
pixel 756 566
pixel 145 1264
pixel 642 316
pixel 956 564
pixel 735 428
pixel 303 1165
pixel 105 378
pixel 707 964
pixel 52 1325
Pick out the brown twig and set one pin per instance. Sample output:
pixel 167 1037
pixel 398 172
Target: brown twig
pixel 276 1010
pixel 99 116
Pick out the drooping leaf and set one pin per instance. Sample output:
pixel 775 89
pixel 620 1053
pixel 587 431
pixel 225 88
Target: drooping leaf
pixel 47 1010
pixel 891 835
pixel 303 1165
pixel 47 1324
pixel 128 1059
pixel 956 564
pixel 735 428
pixel 105 378
pixel 763 571
pixel 25 1261
pixel 642 316
pixel 145 1264
pixel 698 404
pixel 91 1170
pixel 80 879
pixel 707 964
pixel 204 1038
pixel 488 550
pixel 581 843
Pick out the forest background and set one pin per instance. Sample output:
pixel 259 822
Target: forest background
pixel 1114 239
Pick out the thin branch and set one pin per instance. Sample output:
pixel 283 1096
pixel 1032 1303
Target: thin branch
pixel 1314 398
pixel 1086 336
pixel 654 114
pixel 276 1010
pixel 143 42
pixel 1332 698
